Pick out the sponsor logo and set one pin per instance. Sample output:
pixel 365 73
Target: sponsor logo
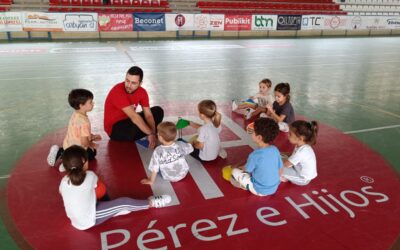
pixel 261 21
pixel 289 20
pixel 79 22
pixel 180 20
pixel 393 21
pixel 238 20
pixel 312 21
pixel 356 22
pixel 148 20
pixel 335 22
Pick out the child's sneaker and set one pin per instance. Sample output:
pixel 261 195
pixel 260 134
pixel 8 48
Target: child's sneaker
pixel 159 200
pixel 249 114
pixel 222 153
pixel 234 105
pixel 283 126
pixel 61 168
pixel 264 115
pixel 52 156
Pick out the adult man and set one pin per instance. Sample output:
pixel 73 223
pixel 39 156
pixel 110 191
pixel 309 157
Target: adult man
pixel 121 121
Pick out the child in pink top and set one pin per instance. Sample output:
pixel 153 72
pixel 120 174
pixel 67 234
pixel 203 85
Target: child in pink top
pixel 79 128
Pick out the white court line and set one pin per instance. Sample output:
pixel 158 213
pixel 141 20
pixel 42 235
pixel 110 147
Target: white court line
pixel 5 176
pixel 371 129
pixel 159 186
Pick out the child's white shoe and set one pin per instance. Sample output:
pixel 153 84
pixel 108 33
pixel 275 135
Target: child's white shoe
pixel 160 200
pixel 264 115
pixel 52 156
pixel 222 153
pixel 283 126
pixel 234 105
pixel 249 114
pixel 61 168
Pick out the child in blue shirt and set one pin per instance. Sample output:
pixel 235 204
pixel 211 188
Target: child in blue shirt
pixel 260 175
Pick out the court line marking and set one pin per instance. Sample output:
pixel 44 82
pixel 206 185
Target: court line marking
pixel 371 129
pixel 5 176
pixel 375 109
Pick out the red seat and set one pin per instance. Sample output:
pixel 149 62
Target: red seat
pixel 163 3
pixel 155 3
pixel 136 2
pixel 126 3
pixel 76 2
pixel 65 2
pixel 97 2
pixel 116 2
pixel 145 3
pixel 86 2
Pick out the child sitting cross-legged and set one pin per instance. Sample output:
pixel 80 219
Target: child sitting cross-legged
pixel 260 175
pixel 169 158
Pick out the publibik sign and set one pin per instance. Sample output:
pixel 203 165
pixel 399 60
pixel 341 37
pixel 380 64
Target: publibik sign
pixel 264 22
pixel 179 21
pixel 289 22
pixel 149 22
pixel 237 22
pixel 80 22
pixel 312 22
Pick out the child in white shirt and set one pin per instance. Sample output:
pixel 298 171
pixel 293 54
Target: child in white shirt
pixel 207 146
pixel 301 167
pixel 168 158
pixel 78 191
pixel 257 103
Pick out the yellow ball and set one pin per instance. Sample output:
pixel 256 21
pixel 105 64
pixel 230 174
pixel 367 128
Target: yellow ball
pixel 227 172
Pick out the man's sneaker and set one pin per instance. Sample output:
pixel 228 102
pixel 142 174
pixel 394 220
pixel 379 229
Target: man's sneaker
pixel 234 105
pixel 52 156
pixel 160 200
pixel 222 153
pixel 249 114
pixel 61 168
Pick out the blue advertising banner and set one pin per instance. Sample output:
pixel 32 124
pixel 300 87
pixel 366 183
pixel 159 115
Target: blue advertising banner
pixel 289 22
pixel 149 22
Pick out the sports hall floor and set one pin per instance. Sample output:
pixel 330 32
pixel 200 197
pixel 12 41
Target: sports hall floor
pixel 350 85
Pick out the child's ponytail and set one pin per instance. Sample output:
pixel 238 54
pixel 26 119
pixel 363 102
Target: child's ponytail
pixel 308 130
pixel 209 109
pixel 74 159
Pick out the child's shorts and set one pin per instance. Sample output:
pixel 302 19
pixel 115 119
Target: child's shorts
pixel 242 180
pixel 293 175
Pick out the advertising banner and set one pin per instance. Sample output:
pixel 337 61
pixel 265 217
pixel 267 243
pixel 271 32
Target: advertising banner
pixel 80 21
pixel 208 22
pixel 392 22
pixel 115 22
pixel 289 22
pixel 312 22
pixel 179 21
pixel 149 22
pixel 264 22
pixel 40 21
pixel 237 22
pixel 335 22
pixel 10 21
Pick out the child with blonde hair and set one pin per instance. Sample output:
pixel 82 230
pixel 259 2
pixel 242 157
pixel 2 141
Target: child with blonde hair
pixel 78 191
pixel 168 158
pixel 257 103
pixel 207 146
pixel 301 167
